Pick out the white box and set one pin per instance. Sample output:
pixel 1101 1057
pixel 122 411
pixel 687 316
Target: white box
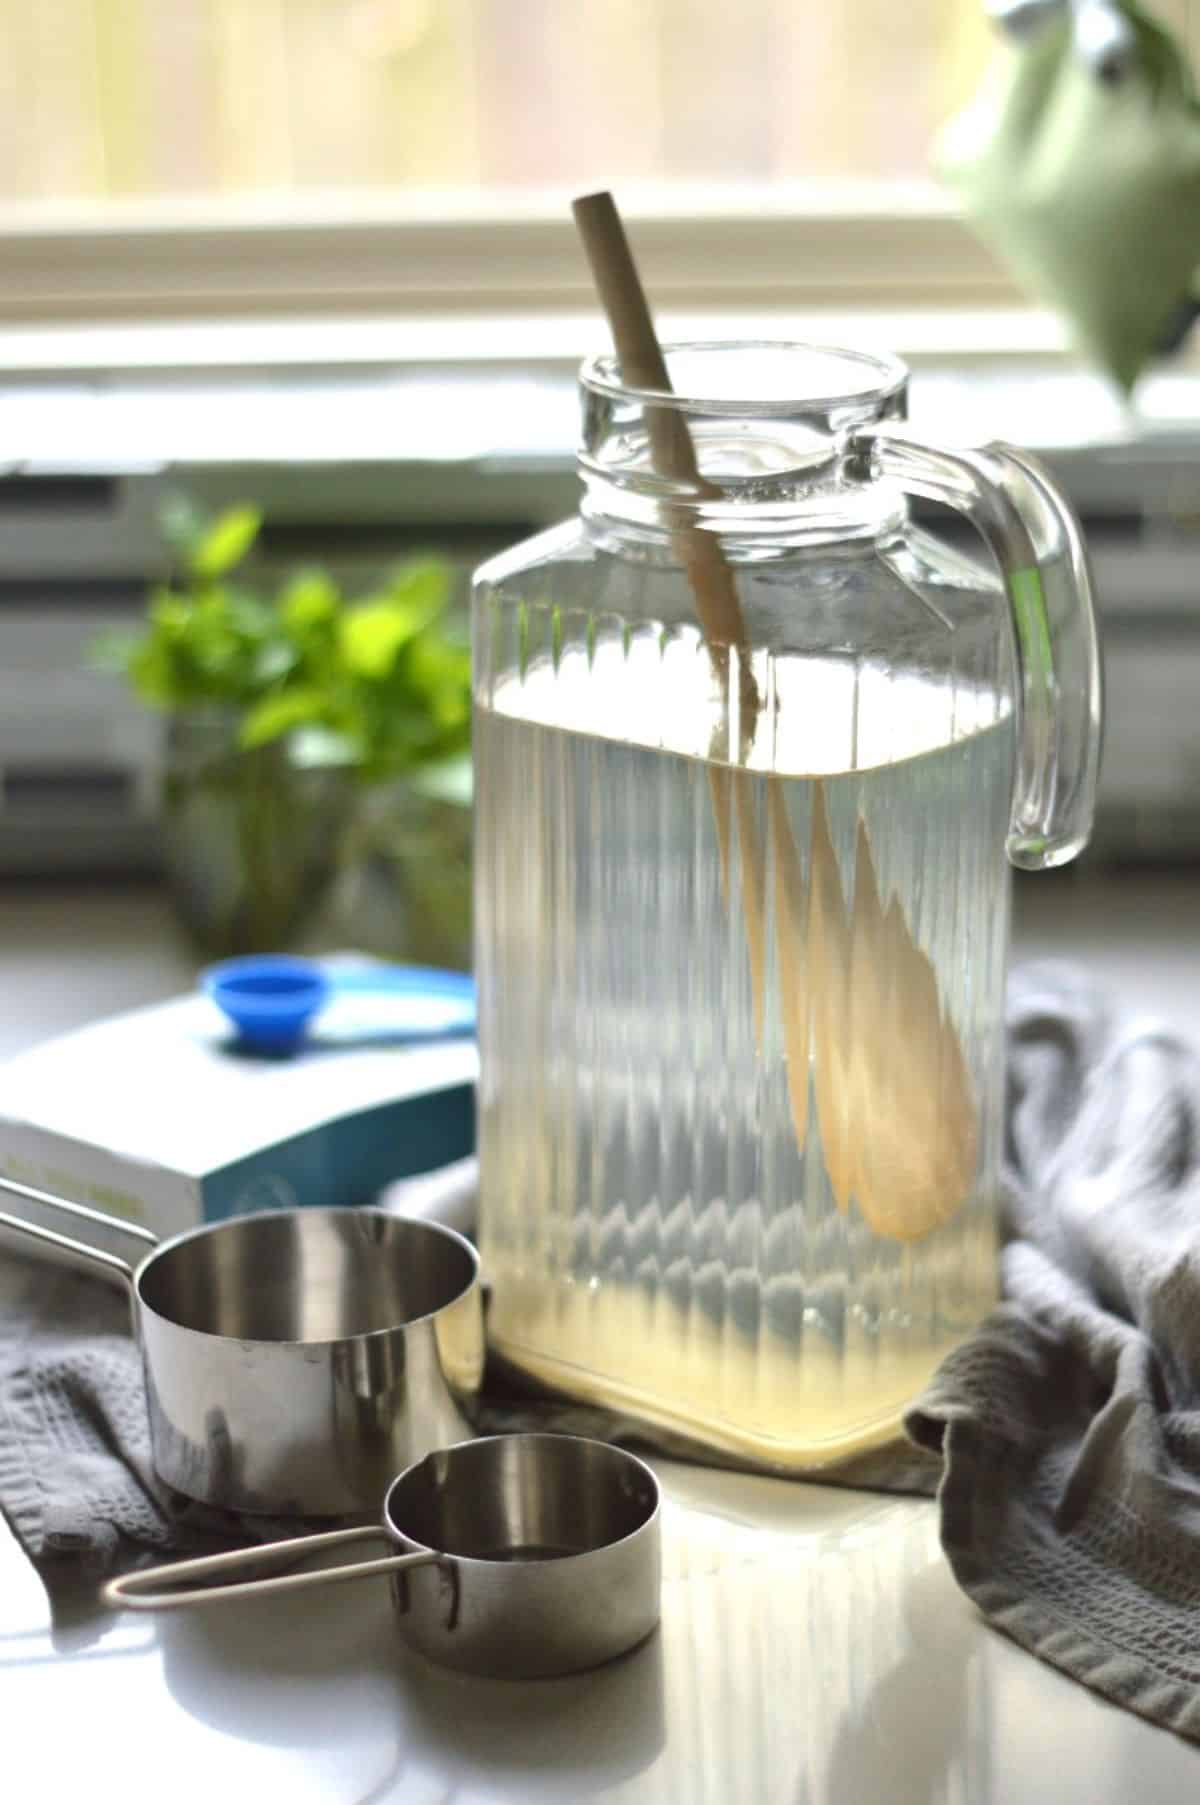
pixel 157 1117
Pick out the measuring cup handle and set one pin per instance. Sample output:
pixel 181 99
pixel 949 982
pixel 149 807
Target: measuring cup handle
pixel 142 1591
pixel 95 1256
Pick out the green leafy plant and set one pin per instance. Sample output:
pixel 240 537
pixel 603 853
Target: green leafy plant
pixel 379 683
pixel 318 748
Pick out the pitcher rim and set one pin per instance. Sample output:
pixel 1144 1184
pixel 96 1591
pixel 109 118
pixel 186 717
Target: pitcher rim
pixel 599 374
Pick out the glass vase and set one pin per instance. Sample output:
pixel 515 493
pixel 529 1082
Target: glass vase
pixel 252 838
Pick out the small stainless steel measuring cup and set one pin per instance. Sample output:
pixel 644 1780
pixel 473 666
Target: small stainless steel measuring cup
pixel 525 1556
pixel 294 1360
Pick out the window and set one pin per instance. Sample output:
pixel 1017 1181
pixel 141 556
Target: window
pixel 188 158
pixel 105 100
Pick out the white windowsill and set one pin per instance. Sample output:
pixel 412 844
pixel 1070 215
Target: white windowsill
pixel 498 392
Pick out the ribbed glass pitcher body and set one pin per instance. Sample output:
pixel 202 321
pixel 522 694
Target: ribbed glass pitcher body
pixel 741 935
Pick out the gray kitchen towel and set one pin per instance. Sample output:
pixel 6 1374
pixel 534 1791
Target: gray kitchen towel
pixel 74 1452
pixel 76 1480
pixel 1069 1425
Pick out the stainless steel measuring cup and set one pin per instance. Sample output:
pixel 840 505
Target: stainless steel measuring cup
pixel 525 1556
pixel 295 1359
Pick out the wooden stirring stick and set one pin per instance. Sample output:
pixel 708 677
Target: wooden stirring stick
pixel 672 452
pixel 898 1120
pixel 894 1102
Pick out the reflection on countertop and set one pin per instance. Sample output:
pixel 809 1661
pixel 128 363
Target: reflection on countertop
pixel 813 1651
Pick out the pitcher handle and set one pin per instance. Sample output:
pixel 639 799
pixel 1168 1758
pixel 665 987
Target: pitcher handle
pixel 1036 540
pixel 142 1591
pixel 96 1256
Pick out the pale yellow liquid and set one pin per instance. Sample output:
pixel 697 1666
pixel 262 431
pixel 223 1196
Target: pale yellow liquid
pixel 658 1220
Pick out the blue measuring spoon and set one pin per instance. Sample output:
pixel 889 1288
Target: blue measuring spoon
pixel 273 999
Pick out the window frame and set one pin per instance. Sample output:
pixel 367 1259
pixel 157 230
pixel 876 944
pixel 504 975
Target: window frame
pixel 862 245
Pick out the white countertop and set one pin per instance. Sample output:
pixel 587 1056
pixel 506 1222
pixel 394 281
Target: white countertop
pixel 813 1651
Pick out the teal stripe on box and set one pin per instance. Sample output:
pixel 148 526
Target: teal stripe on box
pixel 348 1161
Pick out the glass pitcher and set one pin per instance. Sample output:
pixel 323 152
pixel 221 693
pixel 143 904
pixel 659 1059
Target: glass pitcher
pixel 751 749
